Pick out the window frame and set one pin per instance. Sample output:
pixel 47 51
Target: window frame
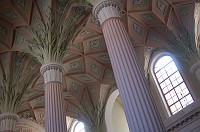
pixel 159 91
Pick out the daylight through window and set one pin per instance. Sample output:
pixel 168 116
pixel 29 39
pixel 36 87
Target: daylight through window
pixel 173 88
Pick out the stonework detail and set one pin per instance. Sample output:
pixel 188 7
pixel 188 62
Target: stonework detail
pixel 72 109
pixel 94 21
pixel 161 7
pixel 52 72
pixel 104 58
pixel 42 116
pixel 105 9
pixel 85 78
pixel 147 17
pixel 95 68
pixel 61 5
pixel 19 39
pixel 77 45
pixel 95 43
pixel 137 28
pixel 10 15
pixel 8 121
pixel 40 101
pixel 75 65
pixel 75 87
pixel 86 32
pixel 195 69
pixel 3 31
pixel 22 3
pixel 139 2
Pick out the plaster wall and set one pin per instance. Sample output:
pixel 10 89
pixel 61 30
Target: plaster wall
pixel 119 119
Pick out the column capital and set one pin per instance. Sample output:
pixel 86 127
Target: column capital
pixel 8 122
pixel 105 9
pixel 13 116
pixel 52 72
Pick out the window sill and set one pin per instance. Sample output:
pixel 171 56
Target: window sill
pixel 184 117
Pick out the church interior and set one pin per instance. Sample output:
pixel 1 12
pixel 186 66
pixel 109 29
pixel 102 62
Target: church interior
pixel 99 66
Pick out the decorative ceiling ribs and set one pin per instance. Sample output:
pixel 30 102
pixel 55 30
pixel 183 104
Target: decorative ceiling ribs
pixel 87 64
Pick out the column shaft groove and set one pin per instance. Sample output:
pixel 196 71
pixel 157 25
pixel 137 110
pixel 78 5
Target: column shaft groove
pixel 54 108
pixel 140 109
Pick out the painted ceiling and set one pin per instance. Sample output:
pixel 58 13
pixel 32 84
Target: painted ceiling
pixel 87 64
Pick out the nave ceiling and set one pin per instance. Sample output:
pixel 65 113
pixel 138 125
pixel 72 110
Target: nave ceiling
pixel 87 64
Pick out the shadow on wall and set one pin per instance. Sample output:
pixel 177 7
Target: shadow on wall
pixel 114 114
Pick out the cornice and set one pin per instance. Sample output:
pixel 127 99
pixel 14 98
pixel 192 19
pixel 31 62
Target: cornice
pixel 183 118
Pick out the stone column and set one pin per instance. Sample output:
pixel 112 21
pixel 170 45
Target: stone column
pixel 8 122
pixel 195 69
pixel 197 22
pixel 55 118
pixel 138 104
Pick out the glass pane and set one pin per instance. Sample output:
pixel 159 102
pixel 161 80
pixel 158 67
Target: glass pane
pixel 175 98
pixel 173 108
pixel 79 127
pixel 189 99
pixel 178 105
pixel 168 96
pixel 162 85
pixel 165 90
pixel 158 74
pixel 169 86
pixel 172 84
pixel 162 62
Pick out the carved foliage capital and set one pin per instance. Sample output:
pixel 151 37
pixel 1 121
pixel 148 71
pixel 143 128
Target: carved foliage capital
pixel 8 121
pixel 105 9
pixel 12 116
pixel 52 72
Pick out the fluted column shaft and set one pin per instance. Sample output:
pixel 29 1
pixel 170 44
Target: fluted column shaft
pixel 55 118
pixel 8 122
pixel 139 107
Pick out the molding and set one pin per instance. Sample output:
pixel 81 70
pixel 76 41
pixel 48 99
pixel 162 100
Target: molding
pixel 52 72
pixel 183 118
pixel 105 9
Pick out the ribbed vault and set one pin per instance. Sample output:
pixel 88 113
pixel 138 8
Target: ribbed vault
pixel 88 69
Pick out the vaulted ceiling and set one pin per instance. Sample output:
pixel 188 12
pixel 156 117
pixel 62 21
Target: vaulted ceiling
pixel 87 64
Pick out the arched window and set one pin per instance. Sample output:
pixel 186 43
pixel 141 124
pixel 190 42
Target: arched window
pixel 172 87
pixel 78 127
